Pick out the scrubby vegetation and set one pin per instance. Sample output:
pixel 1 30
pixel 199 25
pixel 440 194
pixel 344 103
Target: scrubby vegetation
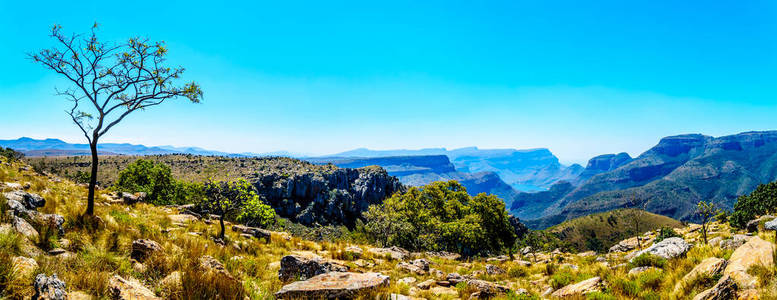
pixel 156 180
pixel 442 216
pixel 11 154
pixel 760 202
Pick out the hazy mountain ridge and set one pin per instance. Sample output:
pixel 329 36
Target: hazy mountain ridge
pixel 670 178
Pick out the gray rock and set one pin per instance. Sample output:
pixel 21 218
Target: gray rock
pixel 294 267
pixel 752 225
pixel 668 248
pixel 725 289
pixel 494 270
pixel 22 227
pixel 418 266
pixel 49 288
pixel 334 285
pixel 771 225
pixel 29 200
pixel 735 242
pixel 253 231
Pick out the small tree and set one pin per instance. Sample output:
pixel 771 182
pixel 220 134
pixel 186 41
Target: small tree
pixel 706 211
pixel 108 81
pixel 226 197
pixel 637 214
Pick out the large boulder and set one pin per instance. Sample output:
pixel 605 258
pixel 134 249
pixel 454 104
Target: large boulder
pixel 624 245
pixel 668 248
pixel 295 267
pixel 709 267
pixel 49 288
pixel 752 225
pixel 253 231
pixel 755 252
pixel 29 200
pixel 584 287
pixel 486 289
pixel 334 285
pixel 129 289
pixel 734 242
pixel 142 249
pixel 396 253
pixel 725 289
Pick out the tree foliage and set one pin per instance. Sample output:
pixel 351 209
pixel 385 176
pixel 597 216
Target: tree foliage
pixel 706 211
pixel 236 199
pixel 107 81
pixel 11 154
pixel 442 216
pixel 760 202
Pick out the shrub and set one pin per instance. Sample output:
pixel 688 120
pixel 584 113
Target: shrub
pixel 561 279
pixel 156 180
pixel 761 201
pixel 665 233
pixel 517 271
pixel 11 154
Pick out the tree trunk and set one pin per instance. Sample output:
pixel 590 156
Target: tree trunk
pixel 221 220
pixel 92 179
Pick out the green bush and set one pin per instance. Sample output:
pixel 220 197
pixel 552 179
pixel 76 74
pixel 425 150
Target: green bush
pixel 156 180
pixel 441 216
pixel 665 233
pixel 760 202
pixel 11 154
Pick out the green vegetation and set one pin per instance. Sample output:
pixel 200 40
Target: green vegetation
pixel 760 202
pixel 156 180
pixel 235 197
pixel 442 216
pixel 11 154
pixel 706 211
pixel 665 233
pixel 600 231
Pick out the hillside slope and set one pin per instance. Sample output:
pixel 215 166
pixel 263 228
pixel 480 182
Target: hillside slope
pixel 598 232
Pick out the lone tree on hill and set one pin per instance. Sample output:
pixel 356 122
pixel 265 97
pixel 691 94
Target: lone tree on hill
pixel 706 211
pixel 108 81
pixel 227 197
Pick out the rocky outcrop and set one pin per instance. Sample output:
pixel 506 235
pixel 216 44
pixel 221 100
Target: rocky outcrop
pixel 755 252
pixel 29 200
pixel 142 249
pixel 129 289
pixel 584 287
pixel 253 231
pixel 22 227
pixel 752 225
pixel 338 196
pixel 334 285
pixel 49 288
pixel 486 289
pixel 668 248
pixel 418 266
pixel 295 267
pixel 725 289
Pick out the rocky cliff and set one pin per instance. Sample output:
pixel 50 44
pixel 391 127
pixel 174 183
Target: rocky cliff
pixel 337 196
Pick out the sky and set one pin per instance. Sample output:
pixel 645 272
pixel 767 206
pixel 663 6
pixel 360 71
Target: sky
pixel 580 78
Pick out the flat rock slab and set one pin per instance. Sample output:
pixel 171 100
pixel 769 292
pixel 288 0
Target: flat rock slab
pixel 755 252
pixel 334 285
pixel 581 288
pixel 668 248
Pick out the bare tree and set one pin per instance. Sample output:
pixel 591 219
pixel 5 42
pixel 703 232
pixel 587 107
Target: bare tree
pixel 706 211
pixel 108 81
pixel 637 215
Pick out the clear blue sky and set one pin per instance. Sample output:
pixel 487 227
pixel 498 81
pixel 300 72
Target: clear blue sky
pixel 578 77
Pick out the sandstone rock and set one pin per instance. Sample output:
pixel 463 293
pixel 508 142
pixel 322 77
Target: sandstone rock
pixel 584 287
pixel 396 253
pixel 437 274
pixel 11 185
pixel 587 254
pixel 142 249
pixel 124 289
pixel 418 266
pixel 253 231
pixel 210 264
pixel 500 258
pixel 407 280
pixel 24 266
pixel 22 227
pixel 182 218
pixel 426 284
pixel 725 289
pixel 752 225
pixel 715 241
pixel 172 281
pixel 668 248
pixel 755 252
pixel 487 289
pixel 455 278
pixel 625 245
pixel 708 267
pixel 334 285
pixel 295 267
pixel 49 288
pixel 494 270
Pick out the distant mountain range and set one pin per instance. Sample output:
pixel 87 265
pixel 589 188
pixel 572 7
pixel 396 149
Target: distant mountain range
pixel 670 178
pixel 56 147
